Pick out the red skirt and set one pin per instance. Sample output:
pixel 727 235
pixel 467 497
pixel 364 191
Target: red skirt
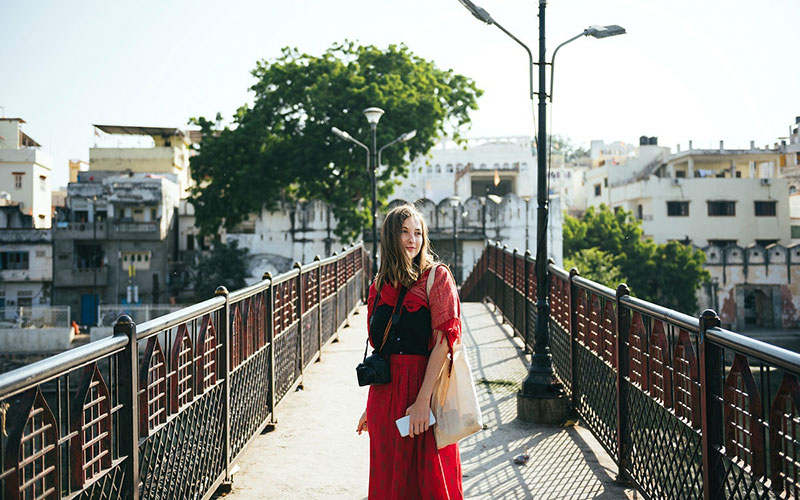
pixel 403 468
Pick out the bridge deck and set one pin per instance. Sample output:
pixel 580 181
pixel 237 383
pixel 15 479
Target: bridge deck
pixel 314 452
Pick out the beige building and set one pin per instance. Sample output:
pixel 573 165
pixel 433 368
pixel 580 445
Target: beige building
pixel 702 196
pixel 169 154
pixel 25 172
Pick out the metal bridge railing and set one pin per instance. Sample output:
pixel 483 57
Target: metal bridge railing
pixel 686 409
pixel 163 409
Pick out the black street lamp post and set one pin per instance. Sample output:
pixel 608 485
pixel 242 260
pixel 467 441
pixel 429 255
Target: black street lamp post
pixel 373 116
pixel 540 389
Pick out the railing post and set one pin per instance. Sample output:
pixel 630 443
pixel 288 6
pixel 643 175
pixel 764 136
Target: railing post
pixel 711 410
pixel 503 308
pixel 129 415
pixel 528 304
pixel 513 315
pixel 346 298
pixel 299 308
pixel 319 305
pixel 573 337
pixel 271 340
pixel 623 360
pixel 335 295
pixel 226 386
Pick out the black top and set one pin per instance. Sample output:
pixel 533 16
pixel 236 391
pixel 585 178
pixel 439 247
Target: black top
pixel 411 335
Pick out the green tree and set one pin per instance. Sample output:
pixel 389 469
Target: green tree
pixel 667 274
pixel 281 146
pixel 225 265
pixel 597 265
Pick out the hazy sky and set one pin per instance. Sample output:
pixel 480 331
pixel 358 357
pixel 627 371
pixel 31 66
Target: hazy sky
pixel 687 69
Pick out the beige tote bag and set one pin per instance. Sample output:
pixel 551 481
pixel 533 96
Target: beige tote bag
pixel 454 401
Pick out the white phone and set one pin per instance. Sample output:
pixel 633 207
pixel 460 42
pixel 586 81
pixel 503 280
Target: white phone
pixel 403 422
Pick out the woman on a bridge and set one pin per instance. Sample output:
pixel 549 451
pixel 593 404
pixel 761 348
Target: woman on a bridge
pixel 410 467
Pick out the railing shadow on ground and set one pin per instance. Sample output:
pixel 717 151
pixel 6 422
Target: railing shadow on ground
pixel 163 409
pixel 685 408
pixel 561 464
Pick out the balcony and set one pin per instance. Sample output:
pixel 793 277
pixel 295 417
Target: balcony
pixel 136 230
pixel 85 277
pixel 81 230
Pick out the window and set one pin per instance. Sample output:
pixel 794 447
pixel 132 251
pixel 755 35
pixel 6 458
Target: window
pixel 88 256
pixel 721 208
pixel 13 260
pixel 190 242
pixel 680 174
pixel 639 212
pixel 18 179
pixel 605 182
pixel 449 168
pixel 597 189
pixel 678 208
pixel 765 208
pixel 42 183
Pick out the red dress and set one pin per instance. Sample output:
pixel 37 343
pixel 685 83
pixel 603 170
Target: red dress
pixel 403 468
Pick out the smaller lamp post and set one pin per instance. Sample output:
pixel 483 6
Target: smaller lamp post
pixel 373 116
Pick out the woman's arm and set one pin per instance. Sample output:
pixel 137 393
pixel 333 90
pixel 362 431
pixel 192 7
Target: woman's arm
pixel 420 410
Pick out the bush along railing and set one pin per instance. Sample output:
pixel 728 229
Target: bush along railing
pixel 162 410
pixel 686 409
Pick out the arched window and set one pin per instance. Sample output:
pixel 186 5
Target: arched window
pixel 438 169
pixel 449 168
pixel 792 189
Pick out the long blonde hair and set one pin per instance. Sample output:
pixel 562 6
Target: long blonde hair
pixel 396 266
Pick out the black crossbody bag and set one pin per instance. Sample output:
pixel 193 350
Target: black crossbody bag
pixel 375 369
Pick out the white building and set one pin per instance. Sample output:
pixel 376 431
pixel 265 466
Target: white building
pixel 25 172
pixel 26 267
pixel 703 196
pixel 493 165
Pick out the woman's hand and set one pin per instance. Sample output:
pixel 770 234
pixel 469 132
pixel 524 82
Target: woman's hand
pixel 362 423
pixel 420 417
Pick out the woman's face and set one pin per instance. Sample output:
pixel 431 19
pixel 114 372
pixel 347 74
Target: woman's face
pixel 411 236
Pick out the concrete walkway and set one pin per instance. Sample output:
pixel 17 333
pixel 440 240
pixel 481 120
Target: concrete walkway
pixel 314 452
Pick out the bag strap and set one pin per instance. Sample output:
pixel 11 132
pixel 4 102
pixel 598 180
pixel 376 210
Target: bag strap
pixel 393 319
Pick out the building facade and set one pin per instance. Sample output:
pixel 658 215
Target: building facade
pixel 25 172
pixel 117 245
pixel 26 271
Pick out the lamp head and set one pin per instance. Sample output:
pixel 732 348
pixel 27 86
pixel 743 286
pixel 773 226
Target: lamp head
pixel 408 136
pixel 340 133
pixel 604 31
pixel 373 115
pixel 478 12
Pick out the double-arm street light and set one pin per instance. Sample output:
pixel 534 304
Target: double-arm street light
pixel 373 116
pixel 541 386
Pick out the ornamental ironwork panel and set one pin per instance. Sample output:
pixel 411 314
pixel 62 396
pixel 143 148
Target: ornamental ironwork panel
pixel 31 459
pixel 328 318
pixel 559 347
pixel 686 379
pixel 666 454
pixel 744 435
pixel 249 399
pixel 287 361
pixel 310 324
pixel 153 406
pixel 90 428
pixel 181 459
pixel 784 438
pixel 595 387
pixel 660 366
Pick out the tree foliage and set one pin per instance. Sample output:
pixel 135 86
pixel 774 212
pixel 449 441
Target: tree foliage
pixel 596 264
pixel 666 274
pixel 225 265
pixel 281 146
